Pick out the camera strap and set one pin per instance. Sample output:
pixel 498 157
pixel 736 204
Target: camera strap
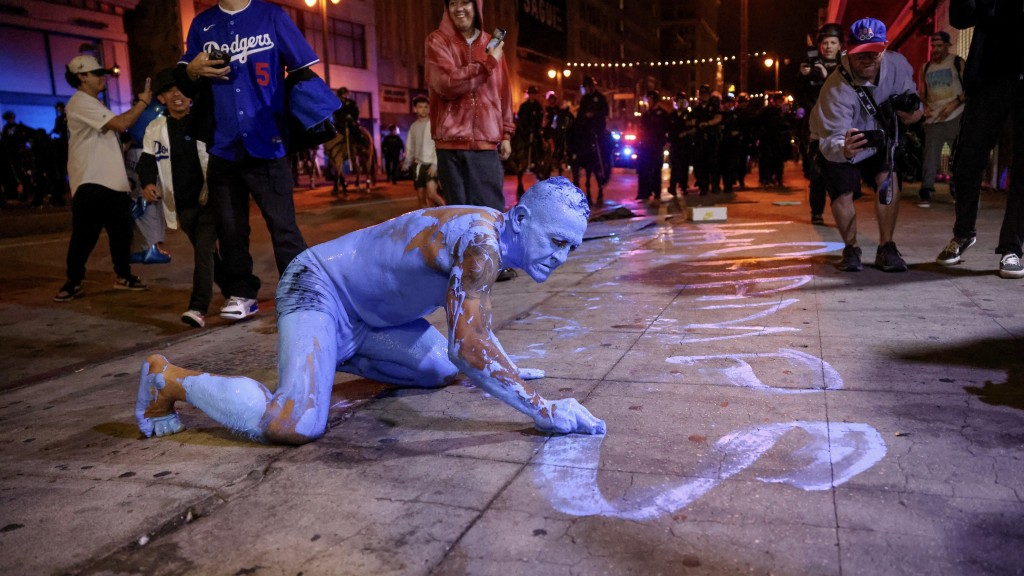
pixel 885 191
pixel 865 99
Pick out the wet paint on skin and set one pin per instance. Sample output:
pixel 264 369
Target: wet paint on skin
pixel 357 304
pixel 831 455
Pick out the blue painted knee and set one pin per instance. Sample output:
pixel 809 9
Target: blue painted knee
pixel 436 372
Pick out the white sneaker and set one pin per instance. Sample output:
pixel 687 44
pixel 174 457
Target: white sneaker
pixel 237 308
pixel 1010 266
pixel 194 318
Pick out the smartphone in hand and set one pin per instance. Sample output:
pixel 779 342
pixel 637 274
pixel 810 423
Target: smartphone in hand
pixel 496 38
pixel 873 138
pixel 216 54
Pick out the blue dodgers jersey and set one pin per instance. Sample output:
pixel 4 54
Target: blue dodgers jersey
pixel 249 106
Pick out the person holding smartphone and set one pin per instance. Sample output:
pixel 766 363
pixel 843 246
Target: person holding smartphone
pixel 470 106
pixel 233 68
pixel 841 124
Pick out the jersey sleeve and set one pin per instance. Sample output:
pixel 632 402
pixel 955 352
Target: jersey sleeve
pixel 192 47
pixel 295 51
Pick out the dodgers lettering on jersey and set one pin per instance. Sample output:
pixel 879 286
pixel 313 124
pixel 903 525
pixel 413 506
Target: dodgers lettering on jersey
pixel 160 152
pixel 240 48
pixel 249 106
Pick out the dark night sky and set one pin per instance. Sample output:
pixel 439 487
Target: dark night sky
pixel 775 25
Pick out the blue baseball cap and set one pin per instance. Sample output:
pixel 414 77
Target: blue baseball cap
pixel 866 35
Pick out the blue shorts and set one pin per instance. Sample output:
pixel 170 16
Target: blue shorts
pixel 305 287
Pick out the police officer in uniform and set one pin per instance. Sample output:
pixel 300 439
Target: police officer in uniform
pixel 654 129
pixel 681 138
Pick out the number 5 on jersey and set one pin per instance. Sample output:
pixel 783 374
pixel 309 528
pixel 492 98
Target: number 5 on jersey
pixel 263 73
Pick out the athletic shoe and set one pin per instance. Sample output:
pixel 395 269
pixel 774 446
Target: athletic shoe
pixel 194 318
pixel 237 308
pixel 506 274
pixel 889 259
pixel 954 250
pixel 924 204
pixel 817 220
pixel 851 260
pixel 133 283
pixel 68 292
pixel 1010 266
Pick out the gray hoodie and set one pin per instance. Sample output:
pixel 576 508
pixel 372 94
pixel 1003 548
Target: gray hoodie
pixel 838 108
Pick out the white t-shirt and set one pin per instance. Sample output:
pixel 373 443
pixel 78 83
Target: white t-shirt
pixel 943 87
pixel 94 154
pixel 419 146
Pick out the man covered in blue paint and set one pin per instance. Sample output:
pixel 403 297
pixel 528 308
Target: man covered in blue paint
pixel 357 304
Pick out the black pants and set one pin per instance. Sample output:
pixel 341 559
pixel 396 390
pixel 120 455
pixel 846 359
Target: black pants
pixel 648 172
pixel 988 106
pixel 270 183
pixel 93 209
pixel 811 163
pixel 199 223
pixel 391 168
pixel 473 177
pixel 680 160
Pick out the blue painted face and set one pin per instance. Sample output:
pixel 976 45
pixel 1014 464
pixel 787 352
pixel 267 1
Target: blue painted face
pixel 547 238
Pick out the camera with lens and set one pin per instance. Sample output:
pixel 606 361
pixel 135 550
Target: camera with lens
pixel 906 102
pixel 813 60
pixel 813 57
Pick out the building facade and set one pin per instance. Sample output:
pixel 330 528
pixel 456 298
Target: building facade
pixel 40 37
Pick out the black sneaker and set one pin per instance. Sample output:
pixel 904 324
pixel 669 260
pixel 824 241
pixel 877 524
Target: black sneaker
pixel 851 260
pixel 1010 266
pixel 954 250
pixel 817 220
pixel 68 292
pixel 133 283
pixel 889 259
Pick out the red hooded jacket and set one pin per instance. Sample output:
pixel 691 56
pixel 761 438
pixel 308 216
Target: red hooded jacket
pixel 470 97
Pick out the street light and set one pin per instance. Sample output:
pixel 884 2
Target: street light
pixel 326 59
pixel 555 74
pixel 768 63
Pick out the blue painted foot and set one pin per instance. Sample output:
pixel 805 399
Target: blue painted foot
pixel 150 385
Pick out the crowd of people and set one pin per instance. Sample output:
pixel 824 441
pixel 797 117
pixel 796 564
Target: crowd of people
pixel 227 129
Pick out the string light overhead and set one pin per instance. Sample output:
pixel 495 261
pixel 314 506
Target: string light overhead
pixel 689 62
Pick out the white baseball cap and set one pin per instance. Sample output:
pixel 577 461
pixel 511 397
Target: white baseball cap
pixel 86 63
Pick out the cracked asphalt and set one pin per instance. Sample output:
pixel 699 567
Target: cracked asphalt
pixel 767 414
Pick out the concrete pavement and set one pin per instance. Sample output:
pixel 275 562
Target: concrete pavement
pixel 767 414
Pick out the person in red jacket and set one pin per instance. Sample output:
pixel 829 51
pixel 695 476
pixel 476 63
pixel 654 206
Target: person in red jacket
pixel 470 107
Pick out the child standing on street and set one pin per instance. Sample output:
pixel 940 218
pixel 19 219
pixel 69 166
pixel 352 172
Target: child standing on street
pixel 421 153
pixel 178 162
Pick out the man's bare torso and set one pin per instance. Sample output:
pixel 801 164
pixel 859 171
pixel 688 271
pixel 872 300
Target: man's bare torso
pixel 399 270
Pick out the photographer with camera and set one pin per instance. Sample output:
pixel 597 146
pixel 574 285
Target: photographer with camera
pixel 857 136
pixel 820 63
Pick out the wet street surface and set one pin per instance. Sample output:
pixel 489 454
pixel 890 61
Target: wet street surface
pixel 767 413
